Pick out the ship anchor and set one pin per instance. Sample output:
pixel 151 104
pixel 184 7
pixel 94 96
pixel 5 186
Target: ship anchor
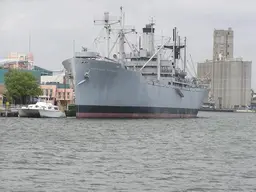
pixel 86 77
pixel 87 74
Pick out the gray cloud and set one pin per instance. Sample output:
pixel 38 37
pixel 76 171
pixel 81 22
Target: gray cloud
pixel 54 24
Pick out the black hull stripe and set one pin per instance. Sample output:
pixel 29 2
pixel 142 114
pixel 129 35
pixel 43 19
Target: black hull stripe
pixel 131 110
pixel 134 115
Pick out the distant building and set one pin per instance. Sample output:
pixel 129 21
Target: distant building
pixel 17 64
pixel 61 93
pixel 21 56
pixel 230 77
pixel 16 60
pixel 230 81
pixel 52 78
pixel 44 72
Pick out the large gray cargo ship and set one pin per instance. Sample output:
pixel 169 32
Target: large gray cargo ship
pixel 141 84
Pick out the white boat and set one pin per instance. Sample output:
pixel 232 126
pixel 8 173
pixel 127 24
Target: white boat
pixel 41 109
pixel 51 111
pixel 30 110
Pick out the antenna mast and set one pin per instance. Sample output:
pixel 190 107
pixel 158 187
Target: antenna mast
pixel 121 37
pixel 29 42
pixel 29 55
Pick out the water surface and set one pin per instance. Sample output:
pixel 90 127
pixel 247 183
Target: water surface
pixel 216 152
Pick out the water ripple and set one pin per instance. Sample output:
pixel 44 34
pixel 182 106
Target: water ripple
pixel 213 153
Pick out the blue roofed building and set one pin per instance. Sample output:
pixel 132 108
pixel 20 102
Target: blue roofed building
pixel 44 72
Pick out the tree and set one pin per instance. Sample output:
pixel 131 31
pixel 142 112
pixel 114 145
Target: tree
pixel 21 85
pixel 252 94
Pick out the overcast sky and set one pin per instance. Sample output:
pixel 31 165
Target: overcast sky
pixel 54 24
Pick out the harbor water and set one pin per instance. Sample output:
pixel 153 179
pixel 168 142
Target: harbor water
pixel 215 152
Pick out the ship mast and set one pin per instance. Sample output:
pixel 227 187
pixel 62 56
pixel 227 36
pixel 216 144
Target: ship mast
pixel 185 53
pixel 121 38
pixel 107 25
pixel 174 50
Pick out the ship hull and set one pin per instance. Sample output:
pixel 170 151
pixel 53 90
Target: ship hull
pixel 111 91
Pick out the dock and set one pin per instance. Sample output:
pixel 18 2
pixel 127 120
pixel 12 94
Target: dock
pixel 217 110
pixel 8 113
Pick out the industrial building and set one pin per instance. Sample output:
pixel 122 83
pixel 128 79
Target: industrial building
pixel 223 43
pixel 230 77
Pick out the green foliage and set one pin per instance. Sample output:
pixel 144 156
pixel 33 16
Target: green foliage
pixel 7 96
pixel 21 84
pixel 71 112
pixel 72 107
pixel 252 94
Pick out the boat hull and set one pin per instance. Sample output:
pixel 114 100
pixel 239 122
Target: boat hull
pixel 111 91
pixel 51 114
pixel 34 113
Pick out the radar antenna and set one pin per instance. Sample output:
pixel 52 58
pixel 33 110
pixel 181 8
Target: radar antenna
pixel 84 49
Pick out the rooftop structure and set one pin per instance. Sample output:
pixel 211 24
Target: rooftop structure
pixel 44 72
pixel 223 44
